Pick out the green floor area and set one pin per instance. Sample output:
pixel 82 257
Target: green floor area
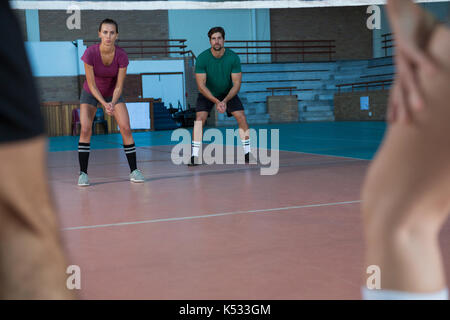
pixel 347 139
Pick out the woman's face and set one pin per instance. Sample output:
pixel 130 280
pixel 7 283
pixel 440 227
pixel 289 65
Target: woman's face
pixel 108 34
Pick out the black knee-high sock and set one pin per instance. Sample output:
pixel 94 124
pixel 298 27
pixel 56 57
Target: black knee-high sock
pixel 130 152
pixel 84 149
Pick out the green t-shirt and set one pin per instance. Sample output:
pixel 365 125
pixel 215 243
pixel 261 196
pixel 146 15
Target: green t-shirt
pixel 218 71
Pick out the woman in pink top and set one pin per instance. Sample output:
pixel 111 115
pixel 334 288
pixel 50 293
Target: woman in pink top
pixel 105 66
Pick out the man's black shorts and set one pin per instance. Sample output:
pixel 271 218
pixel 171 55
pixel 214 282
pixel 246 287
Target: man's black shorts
pixel 20 113
pixel 203 104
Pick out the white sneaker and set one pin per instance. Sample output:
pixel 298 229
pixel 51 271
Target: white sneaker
pixel 83 180
pixel 136 176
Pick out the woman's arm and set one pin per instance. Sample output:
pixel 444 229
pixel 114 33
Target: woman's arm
pixel 89 70
pixel 119 85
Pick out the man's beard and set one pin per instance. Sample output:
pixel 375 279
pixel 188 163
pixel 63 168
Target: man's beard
pixel 220 48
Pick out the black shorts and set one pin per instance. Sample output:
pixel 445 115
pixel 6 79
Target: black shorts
pixel 88 98
pixel 20 112
pixel 203 104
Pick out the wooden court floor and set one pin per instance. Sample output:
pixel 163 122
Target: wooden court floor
pixel 219 231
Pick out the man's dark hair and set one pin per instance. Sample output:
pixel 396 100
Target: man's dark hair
pixel 108 21
pixel 216 29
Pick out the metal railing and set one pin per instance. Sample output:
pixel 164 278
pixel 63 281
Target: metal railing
pixel 367 84
pixel 290 89
pixel 387 43
pixel 277 50
pixel 291 50
pixel 140 48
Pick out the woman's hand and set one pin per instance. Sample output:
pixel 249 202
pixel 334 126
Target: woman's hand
pixel 109 108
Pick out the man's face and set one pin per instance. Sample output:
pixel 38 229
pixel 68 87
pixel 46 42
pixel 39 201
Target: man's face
pixel 217 41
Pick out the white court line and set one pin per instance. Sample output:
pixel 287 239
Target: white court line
pixel 210 215
pixel 327 155
pixel 175 5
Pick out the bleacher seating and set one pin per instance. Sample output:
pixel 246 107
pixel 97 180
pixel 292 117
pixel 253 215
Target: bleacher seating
pixel 315 82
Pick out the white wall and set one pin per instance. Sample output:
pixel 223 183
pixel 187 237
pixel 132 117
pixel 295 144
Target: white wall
pixel 194 25
pixel 52 58
pixel 153 66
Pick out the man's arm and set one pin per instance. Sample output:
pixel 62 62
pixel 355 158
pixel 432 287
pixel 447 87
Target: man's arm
pixel 236 78
pixel 201 84
pixel 32 263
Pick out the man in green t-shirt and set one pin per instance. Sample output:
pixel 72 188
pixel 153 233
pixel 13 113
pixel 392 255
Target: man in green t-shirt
pixel 218 75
